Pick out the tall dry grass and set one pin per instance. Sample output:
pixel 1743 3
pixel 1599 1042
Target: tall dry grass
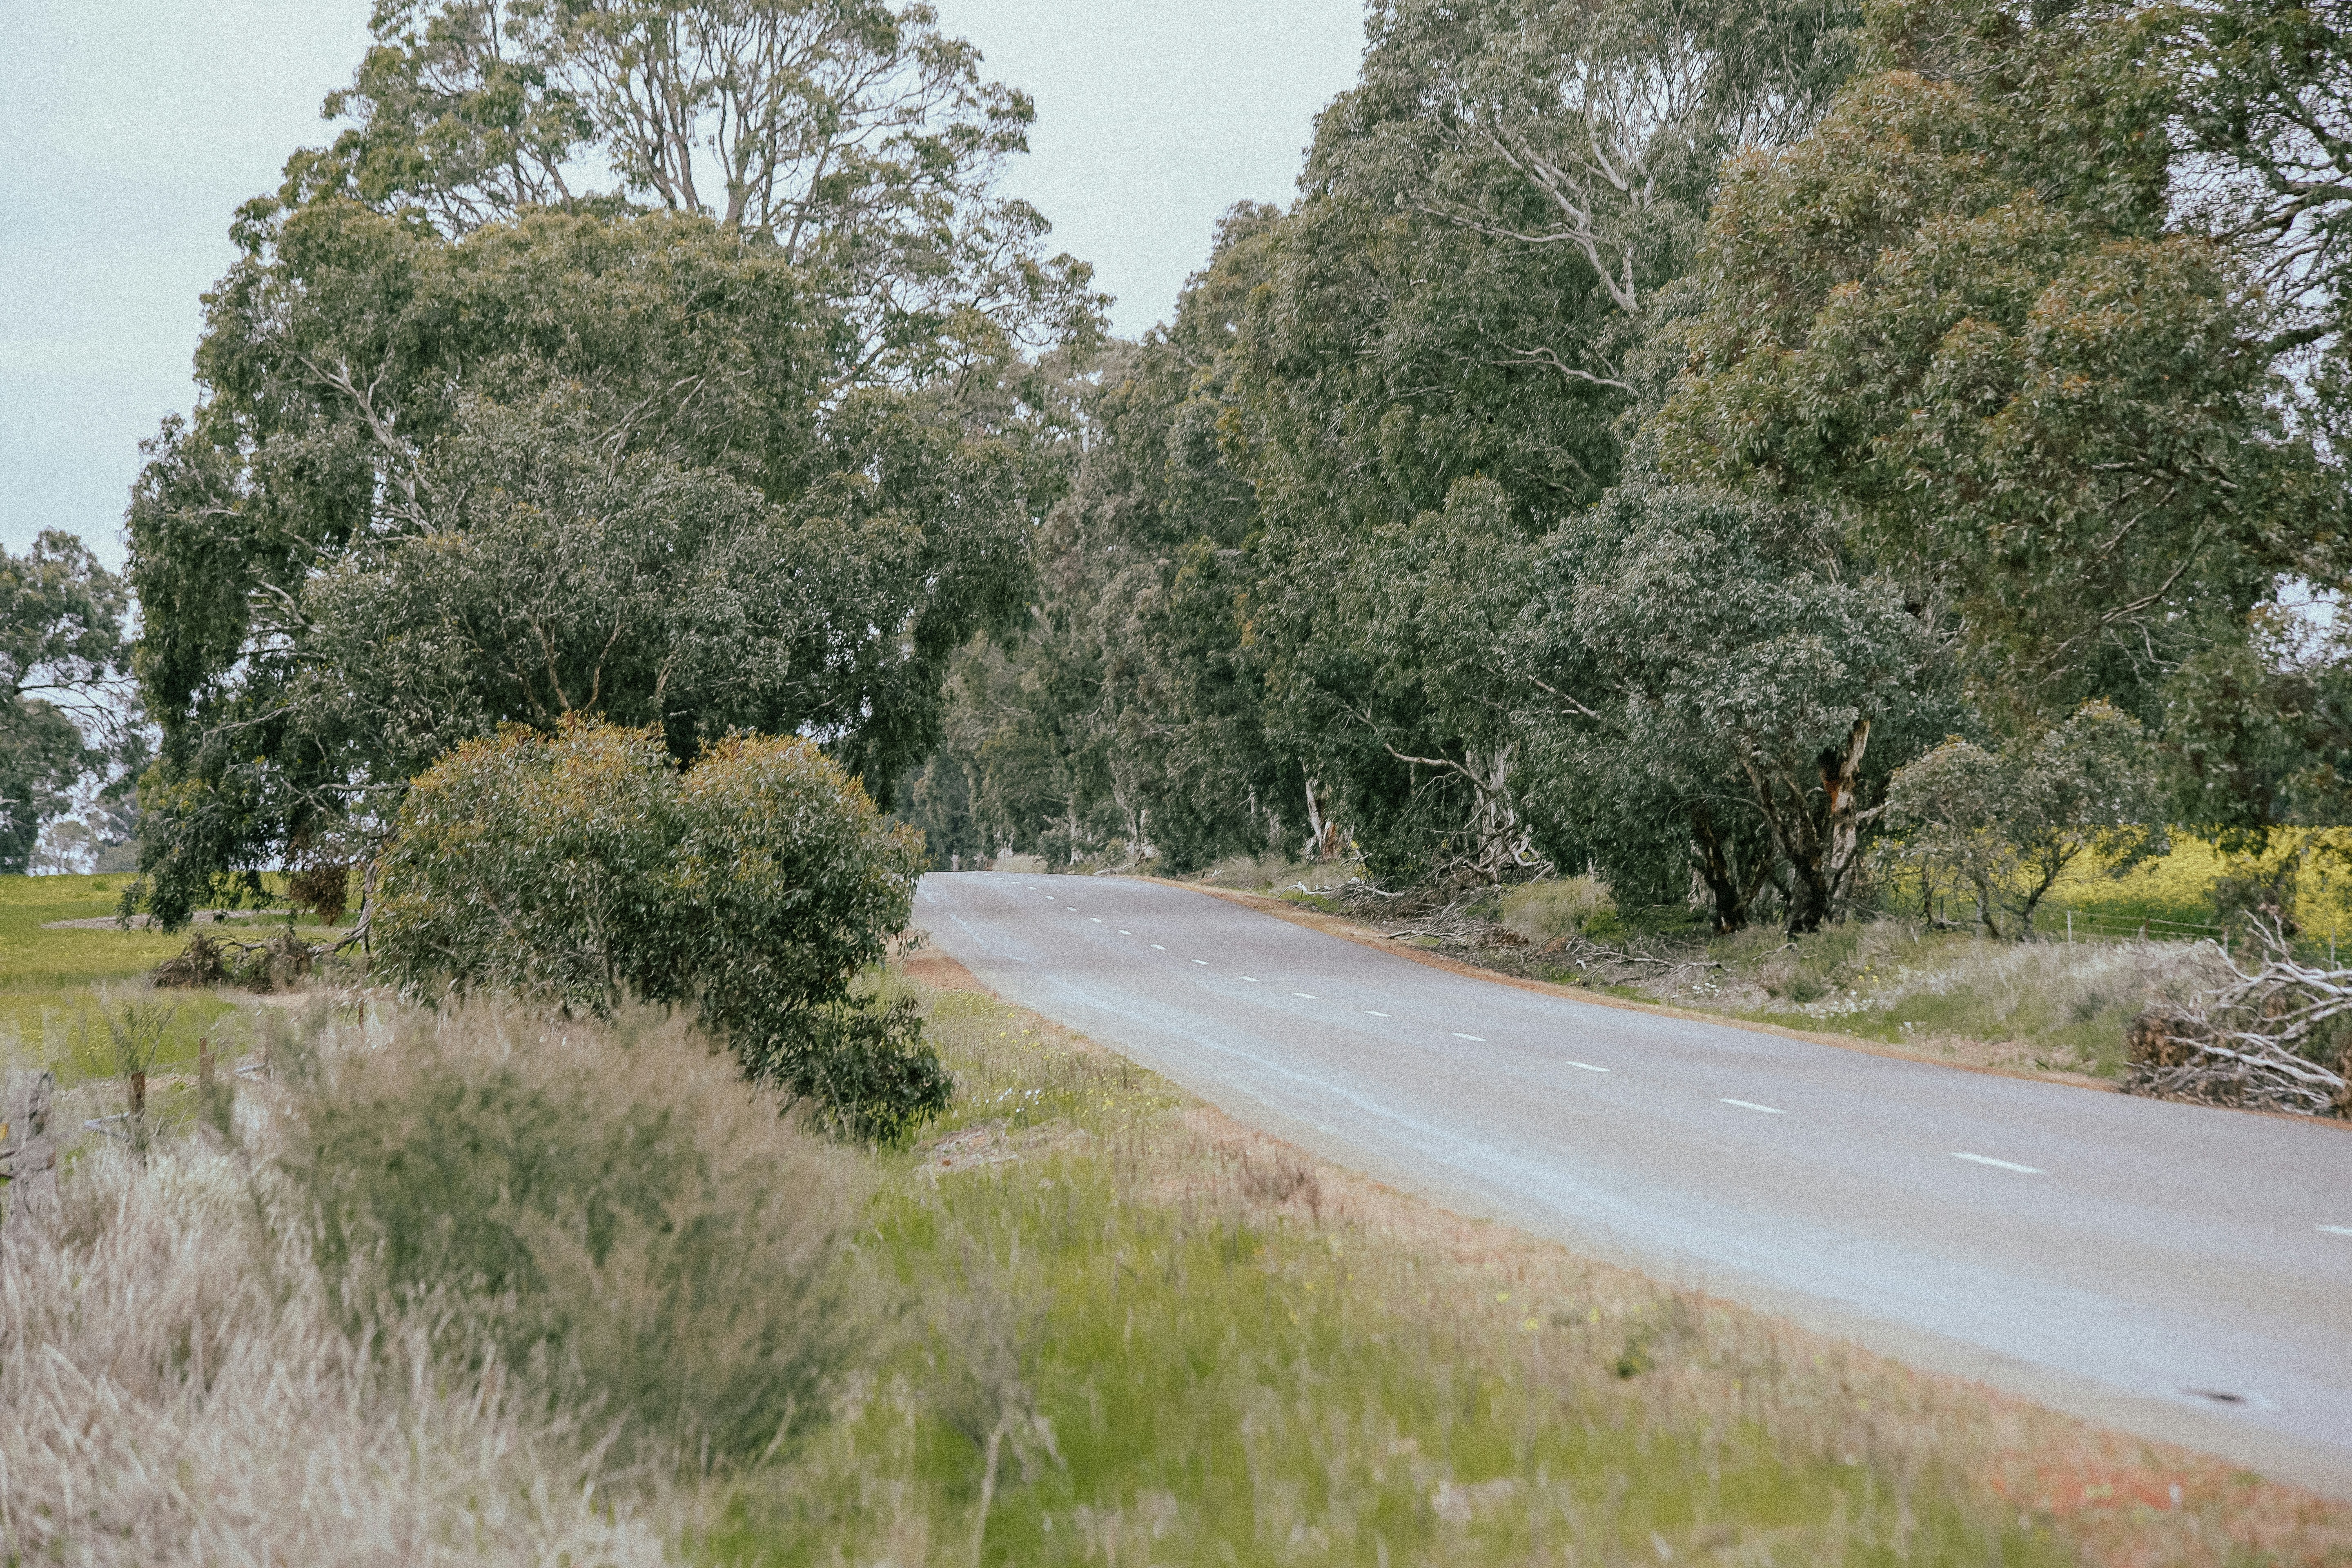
pixel 283 1346
pixel 2059 1004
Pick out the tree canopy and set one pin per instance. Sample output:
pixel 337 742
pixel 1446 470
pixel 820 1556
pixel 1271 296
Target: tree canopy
pixel 480 444
pixel 1694 443
pixel 1654 430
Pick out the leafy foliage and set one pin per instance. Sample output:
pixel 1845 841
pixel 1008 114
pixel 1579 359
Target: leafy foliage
pixel 1957 312
pixel 566 465
pixel 582 868
pixel 60 647
pixel 1649 431
pixel 2010 823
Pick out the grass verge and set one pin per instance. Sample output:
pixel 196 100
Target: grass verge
pixel 487 1288
pixel 1132 1331
pixel 59 984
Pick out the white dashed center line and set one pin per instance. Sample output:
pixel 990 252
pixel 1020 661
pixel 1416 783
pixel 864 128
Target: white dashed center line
pixel 1072 907
pixel 1376 1012
pixel 2337 1229
pixel 1460 1036
pixel 1998 1164
pixel 1751 1105
pixel 1126 934
pixel 1588 1066
pixel 1251 978
pixel 1310 995
pixel 1157 948
pixel 1093 920
pixel 1201 962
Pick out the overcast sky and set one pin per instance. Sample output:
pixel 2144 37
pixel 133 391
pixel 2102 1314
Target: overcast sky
pixel 131 129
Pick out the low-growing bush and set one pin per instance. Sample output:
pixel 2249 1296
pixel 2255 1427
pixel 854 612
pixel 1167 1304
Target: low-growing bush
pixel 1567 906
pixel 622 1217
pixel 582 868
pixel 867 1069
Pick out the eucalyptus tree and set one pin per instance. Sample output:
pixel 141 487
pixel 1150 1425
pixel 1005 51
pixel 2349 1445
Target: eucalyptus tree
pixel 62 636
pixel 2008 821
pixel 1728 660
pixel 1597 131
pixel 481 442
pixel 2264 115
pixel 854 136
pixel 1962 313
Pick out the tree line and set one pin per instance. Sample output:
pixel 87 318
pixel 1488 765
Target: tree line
pixel 1717 447
pixel 1705 444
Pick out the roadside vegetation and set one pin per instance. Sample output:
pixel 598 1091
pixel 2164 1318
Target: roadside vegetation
pixel 1840 477
pixel 484 1284
pixel 1893 980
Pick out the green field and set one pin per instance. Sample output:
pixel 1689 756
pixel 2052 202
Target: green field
pixel 56 987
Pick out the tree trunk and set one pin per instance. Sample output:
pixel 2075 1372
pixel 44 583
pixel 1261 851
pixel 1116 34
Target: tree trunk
pixel 1821 852
pixel 1987 920
pixel 1713 863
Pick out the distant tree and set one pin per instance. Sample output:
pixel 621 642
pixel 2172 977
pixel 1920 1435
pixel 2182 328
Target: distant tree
pixel 62 708
pixel 2010 823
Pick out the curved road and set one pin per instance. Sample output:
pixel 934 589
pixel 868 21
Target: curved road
pixel 2178 1271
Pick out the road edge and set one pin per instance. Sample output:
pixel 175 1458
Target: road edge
pixel 2278 1461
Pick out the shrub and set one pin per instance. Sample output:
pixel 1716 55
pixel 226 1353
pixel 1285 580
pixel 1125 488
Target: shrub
pixel 621 1217
pixel 534 864
pixel 181 1391
pixel 866 1067
pixel 580 867
pixel 1568 906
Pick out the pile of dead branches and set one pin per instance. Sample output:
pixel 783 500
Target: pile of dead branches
pixel 2272 1039
pixel 274 964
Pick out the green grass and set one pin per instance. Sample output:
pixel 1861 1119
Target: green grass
pixel 1187 1362
pixel 57 987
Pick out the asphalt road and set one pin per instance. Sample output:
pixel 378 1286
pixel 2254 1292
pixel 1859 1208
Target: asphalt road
pixel 2178 1271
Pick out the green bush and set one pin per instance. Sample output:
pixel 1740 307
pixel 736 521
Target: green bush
pixel 623 1218
pixel 582 868
pixel 867 1069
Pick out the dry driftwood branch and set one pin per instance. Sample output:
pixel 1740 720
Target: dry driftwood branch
pixel 2259 1041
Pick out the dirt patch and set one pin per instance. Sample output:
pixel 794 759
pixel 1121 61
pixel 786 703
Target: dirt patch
pixel 938 971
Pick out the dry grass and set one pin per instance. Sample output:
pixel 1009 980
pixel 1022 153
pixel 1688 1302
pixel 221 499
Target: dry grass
pixel 2046 1004
pixel 179 1388
pixel 262 1348
pixel 1554 908
pixel 1086 1320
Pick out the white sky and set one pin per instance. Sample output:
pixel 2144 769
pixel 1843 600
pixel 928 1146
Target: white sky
pixel 130 129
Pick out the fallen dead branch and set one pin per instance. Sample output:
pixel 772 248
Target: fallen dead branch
pixel 2270 1039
